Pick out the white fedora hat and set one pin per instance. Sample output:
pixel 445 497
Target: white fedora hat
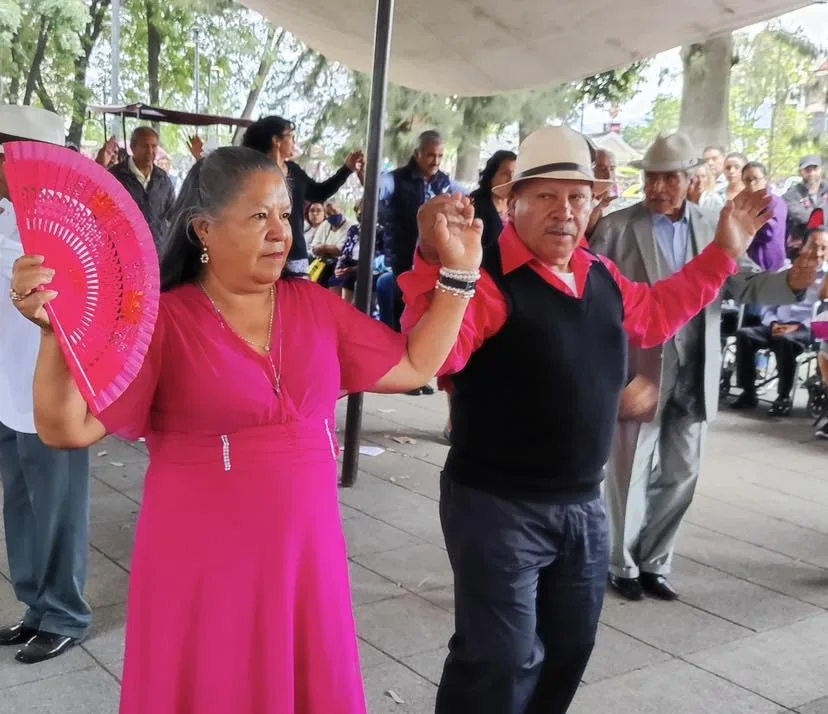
pixel 31 124
pixel 674 152
pixel 556 152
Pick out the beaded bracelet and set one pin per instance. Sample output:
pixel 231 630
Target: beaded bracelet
pixel 464 275
pixel 455 292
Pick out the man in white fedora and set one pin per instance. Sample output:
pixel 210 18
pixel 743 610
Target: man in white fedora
pixel 538 372
pixel 654 466
pixel 45 490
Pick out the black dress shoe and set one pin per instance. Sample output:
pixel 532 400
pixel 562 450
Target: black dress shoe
pixel 629 588
pixel 43 646
pixel 658 586
pixel 428 390
pixel 17 634
pixel 415 392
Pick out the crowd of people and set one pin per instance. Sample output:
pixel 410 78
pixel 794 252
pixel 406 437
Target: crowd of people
pixel 532 284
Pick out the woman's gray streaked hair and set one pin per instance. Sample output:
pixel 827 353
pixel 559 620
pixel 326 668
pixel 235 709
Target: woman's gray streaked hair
pixel 213 183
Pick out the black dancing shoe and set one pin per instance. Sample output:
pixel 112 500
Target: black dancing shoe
pixel 17 634
pixel 629 588
pixel 43 646
pixel 658 586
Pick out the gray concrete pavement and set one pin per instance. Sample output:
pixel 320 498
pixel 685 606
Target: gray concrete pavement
pixel 749 636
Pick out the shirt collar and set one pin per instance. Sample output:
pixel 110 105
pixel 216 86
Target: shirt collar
pixel 144 180
pixel 685 217
pixel 515 254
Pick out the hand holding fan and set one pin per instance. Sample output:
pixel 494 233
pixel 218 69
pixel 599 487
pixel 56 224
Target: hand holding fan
pixel 89 230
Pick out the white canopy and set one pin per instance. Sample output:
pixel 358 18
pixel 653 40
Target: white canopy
pixel 484 47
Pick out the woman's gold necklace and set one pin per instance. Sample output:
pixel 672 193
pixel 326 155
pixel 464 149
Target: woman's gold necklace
pixel 275 306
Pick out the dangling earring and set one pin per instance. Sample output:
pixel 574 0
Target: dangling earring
pixel 205 256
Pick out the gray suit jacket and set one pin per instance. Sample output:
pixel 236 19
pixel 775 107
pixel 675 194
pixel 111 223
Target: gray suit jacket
pixel 626 237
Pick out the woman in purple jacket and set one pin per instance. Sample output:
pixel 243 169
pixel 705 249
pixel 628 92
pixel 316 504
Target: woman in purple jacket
pixel 768 247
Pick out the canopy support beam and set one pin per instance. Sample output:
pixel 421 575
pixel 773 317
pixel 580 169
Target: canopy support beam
pixel 370 207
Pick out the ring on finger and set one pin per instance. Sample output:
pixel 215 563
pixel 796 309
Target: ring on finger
pixel 16 296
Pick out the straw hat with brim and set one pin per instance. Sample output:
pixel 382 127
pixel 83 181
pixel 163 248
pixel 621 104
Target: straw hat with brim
pixel 669 153
pixel 556 152
pixel 19 123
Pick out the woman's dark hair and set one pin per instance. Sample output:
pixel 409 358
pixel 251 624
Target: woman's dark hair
pixel 259 135
pixel 737 155
pixel 491 168
pixel 755 165
pixel 308 205
pixel 212 183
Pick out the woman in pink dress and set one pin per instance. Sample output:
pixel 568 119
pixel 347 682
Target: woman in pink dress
pixel 239 598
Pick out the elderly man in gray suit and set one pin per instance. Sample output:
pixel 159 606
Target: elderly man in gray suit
pixel 654 465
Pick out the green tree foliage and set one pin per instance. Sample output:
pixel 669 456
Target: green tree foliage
pixel 767 120
pixel 663 119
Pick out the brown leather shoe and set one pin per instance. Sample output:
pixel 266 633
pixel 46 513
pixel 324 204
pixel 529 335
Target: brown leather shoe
pixel 17 634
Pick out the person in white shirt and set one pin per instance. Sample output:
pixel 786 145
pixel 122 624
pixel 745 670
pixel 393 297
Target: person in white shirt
pixel 45 490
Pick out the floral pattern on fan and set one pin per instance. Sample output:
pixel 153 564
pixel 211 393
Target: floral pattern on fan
pixel 90 231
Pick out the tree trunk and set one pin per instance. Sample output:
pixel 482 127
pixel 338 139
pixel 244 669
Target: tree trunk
pixel 80 93
pixel 705 96
pixel 153 54
pixel 269 54
pixel 37 59
pixel 468 151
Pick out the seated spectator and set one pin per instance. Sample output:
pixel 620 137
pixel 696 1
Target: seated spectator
pixel 344 278
pixel 314 220
pixel 328 241
pixel 786 330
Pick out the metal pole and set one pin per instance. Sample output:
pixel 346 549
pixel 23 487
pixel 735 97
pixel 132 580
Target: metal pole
pixel 370 206
pixel 196 71
pixel 116 61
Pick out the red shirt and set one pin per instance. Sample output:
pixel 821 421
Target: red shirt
pixel 652 314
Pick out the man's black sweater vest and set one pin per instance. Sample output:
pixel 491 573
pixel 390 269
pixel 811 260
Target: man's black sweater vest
pixel 533 411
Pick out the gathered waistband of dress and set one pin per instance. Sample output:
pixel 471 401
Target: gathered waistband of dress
pixel 294 438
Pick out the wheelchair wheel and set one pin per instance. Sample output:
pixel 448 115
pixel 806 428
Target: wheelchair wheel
pixel 817 400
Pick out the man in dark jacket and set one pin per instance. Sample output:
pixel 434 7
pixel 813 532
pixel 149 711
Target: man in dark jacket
pixel 802 200
pixel 149 186
pixel 402 192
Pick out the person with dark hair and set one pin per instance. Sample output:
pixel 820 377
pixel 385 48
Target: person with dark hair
pixel 733 165
pixel 314 219
pixel 714 158
pixel 149 185
pixel 490 205
pixel 239 596
pixel 274 137
pixel 768 247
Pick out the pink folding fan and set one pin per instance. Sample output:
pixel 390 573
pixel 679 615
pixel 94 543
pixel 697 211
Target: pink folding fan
pixel 75 213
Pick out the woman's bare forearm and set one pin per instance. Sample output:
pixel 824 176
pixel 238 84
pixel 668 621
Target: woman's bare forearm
pixel 429 344
pixel 62 417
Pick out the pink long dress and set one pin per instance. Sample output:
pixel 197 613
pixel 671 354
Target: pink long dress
pixel 239 598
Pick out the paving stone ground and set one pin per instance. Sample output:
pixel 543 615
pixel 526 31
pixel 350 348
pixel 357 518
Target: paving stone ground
pixel 749 636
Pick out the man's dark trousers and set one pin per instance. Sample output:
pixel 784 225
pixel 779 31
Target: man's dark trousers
pixel 529 582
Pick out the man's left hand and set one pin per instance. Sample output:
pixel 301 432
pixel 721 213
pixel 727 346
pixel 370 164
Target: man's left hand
pixel 806 267
pixel 740 220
